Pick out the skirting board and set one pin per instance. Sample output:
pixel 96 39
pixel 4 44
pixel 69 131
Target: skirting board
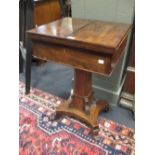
pixel 112 97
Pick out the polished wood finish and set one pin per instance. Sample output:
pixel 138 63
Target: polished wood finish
pixel 103 40
pixel 82 104
pixel 77 58
pixel 90 47
pixel 82 93
pixel 129 84
pixel 46 11
pixel 104 37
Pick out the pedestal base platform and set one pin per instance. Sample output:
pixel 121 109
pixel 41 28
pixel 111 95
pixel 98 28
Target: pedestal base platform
pixel 90 118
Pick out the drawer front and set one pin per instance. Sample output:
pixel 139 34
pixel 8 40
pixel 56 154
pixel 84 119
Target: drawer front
pixel 77 58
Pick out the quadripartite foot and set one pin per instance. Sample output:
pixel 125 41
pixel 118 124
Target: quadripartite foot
pixel 90 117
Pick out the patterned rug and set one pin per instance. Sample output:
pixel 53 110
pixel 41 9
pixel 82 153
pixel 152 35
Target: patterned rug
pixel 38 135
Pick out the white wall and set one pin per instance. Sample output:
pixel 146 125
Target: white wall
pixel 110 10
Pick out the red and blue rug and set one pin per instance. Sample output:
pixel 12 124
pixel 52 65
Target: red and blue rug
pixel 66 136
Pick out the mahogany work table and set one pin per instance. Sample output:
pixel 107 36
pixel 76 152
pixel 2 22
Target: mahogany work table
pixel 90 46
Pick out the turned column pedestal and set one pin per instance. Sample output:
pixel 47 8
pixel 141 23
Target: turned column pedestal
pixel 82 104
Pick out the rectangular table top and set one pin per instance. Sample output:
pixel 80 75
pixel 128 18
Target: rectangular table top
pixel 98 36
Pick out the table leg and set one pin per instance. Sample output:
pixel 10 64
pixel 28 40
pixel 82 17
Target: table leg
pixel 82 104
pixel 29 25
pixel 28 70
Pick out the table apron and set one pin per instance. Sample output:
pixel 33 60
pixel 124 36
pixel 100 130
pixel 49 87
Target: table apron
pixel 78 58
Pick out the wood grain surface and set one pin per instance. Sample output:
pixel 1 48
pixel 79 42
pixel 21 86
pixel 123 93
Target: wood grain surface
pixel 88 34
